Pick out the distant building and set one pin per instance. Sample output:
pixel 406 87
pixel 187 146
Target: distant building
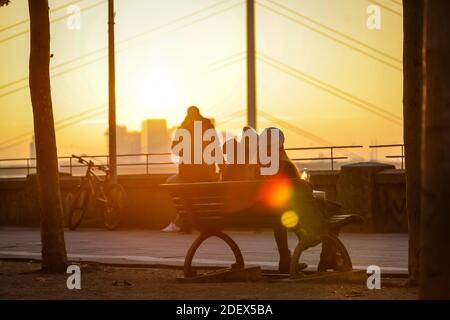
pixel 127 142
pixel 155 137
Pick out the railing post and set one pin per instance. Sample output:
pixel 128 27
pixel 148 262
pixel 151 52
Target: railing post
pixel 146 163
pixel 28 167
pixel 71 168
pixel 332 158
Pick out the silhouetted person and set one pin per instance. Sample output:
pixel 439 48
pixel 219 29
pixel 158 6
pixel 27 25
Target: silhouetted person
pixel 286 170
pixel 250 171
pixel 192 172
pixel 329 258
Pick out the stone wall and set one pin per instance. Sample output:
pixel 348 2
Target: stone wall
pixel 147 205
pixel 390 202
pixel 381 202
pixel 374 191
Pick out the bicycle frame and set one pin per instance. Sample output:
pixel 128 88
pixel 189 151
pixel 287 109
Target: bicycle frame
pixel 108 196
pixel 95 184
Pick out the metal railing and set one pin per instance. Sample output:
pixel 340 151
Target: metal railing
pixel 146 163
pixel 331 149
pixel 401 156
pixel 72 164
pixel 147 160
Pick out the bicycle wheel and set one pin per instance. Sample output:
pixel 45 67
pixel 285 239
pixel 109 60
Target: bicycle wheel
pixel 79 208
pixel 112 213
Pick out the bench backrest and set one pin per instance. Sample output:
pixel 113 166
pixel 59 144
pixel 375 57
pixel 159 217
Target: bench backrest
pixel 240 204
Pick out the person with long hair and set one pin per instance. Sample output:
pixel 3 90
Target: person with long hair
pixel 287 171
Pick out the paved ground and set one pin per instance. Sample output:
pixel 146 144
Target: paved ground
pixel 389 251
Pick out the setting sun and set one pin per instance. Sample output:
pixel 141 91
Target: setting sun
pixel 154 93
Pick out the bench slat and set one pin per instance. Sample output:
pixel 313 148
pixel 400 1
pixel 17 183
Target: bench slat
pixel 221 205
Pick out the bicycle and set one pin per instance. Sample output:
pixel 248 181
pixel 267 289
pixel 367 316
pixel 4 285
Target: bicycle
pixel 110 197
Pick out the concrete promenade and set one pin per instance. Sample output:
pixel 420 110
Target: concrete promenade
pixel 143 247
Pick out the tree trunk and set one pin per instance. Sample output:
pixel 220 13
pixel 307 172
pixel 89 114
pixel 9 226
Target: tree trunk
pixel 54 258
pixel 412 110
pixel 435 221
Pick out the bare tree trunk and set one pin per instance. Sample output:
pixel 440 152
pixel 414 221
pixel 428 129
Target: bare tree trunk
pixel 54 258
pixel 412 114
pixel 435 221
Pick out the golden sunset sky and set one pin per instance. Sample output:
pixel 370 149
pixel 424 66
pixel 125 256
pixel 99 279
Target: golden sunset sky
pixel 339 81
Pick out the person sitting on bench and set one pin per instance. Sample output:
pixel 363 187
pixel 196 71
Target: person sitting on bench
pixel 286 170
pixel 191 172
pixel 329 258
pixel 250 171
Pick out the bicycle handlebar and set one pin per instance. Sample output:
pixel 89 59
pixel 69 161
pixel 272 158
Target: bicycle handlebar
pixel 90 163
pixel 81 160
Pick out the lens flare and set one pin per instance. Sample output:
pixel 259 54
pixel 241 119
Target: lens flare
pixel 277 192
pixel 289 219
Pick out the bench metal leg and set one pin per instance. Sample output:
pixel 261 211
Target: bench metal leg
pixel 305 242
pixel 334 255
pixel 188 272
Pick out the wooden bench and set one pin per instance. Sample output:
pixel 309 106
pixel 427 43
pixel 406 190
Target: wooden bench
pixel 214 207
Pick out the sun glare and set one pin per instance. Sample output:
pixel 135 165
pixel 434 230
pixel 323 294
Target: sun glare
pixel 157 88
pixel 277 192
pixel 153 94
pixel 289 219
